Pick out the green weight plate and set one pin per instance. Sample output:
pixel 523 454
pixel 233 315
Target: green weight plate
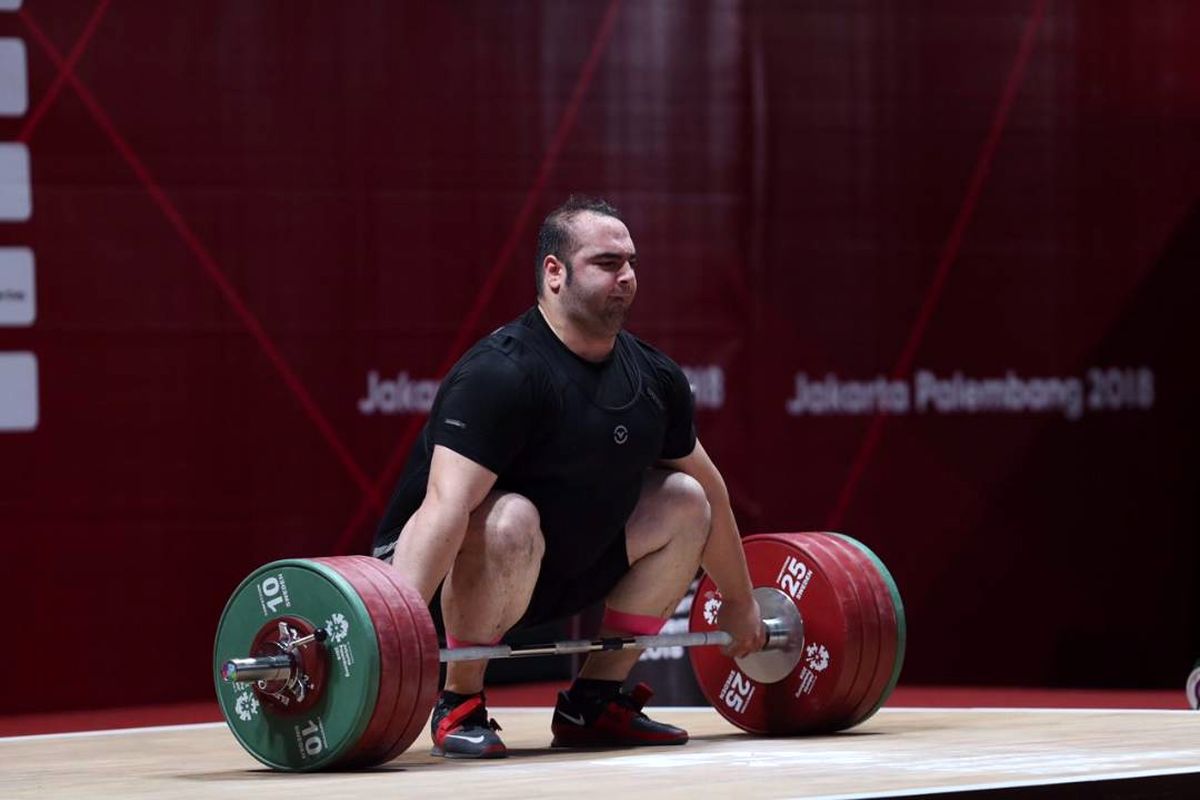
pixel 321 734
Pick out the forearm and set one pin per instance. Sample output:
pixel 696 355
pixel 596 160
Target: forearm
pixel 723 558
pixel 429 543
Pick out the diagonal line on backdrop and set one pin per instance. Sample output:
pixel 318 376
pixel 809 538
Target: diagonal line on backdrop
pixel 209 264
pixel 466 330
pixel 949 254
pixel 68 67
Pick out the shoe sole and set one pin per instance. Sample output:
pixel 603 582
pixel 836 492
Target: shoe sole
pixel 596 745
pixel 437 751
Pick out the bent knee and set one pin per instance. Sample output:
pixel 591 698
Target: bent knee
pixel 509 527
pixel 687 498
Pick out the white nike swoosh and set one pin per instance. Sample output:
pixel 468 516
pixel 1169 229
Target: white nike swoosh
pixel 577 720
pixel 471 739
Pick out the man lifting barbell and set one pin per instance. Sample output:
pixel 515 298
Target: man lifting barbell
pixel 560 466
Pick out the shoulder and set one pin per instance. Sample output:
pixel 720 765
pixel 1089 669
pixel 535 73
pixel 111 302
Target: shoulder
pixel 501 361
pixel 662 365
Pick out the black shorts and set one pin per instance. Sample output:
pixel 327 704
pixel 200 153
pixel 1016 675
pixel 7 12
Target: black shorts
pixel 556 596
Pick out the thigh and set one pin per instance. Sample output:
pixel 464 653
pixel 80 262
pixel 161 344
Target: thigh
pixel 499 510
pixel 557 597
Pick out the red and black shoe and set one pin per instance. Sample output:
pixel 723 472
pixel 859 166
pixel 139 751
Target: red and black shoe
pixel 615 722
pixel 461 729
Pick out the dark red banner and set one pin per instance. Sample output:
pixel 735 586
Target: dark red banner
pixel 931 270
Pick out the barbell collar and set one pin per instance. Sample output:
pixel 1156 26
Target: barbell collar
pixel 262 668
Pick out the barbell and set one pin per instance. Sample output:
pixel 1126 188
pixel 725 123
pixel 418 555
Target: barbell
pixel 333 662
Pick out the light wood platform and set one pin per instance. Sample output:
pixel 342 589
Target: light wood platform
pixel 898 751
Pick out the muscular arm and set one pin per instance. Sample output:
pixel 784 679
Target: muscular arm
pixel 432 537
pixel 723 558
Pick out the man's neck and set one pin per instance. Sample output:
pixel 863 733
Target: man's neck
pixel 589 348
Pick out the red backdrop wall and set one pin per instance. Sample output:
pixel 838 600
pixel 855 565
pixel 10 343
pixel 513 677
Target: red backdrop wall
pixel 241 211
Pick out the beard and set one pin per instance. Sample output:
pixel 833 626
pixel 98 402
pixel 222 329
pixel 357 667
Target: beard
pixel 598 315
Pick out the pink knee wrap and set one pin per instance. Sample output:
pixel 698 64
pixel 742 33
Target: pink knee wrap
pixel 454 644
pixel 631 624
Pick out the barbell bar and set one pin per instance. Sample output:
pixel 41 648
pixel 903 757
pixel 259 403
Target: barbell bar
pixel 777 658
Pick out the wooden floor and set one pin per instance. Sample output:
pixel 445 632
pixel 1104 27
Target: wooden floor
pixel 897 751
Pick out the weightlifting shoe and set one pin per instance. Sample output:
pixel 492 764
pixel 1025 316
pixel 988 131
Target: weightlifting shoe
pixel 617 721
pixel 461 728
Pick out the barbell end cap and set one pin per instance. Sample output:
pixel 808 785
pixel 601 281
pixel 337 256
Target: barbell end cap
pixel 785 638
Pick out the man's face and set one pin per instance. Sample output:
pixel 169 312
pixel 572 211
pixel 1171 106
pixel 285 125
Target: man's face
pixel 600 292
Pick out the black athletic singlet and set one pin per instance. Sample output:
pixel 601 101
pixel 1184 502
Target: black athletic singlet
pixel 574 437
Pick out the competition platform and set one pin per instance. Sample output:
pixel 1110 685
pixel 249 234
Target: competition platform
pixel 943 743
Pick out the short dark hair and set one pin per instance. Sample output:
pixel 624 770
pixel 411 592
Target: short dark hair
pixel 554 237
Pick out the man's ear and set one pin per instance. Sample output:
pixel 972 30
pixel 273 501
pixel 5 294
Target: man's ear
pixel 554 273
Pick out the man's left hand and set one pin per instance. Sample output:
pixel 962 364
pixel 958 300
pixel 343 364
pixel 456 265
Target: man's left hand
pixel 742 619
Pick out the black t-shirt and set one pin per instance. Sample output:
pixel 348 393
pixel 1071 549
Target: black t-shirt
pixel 575 437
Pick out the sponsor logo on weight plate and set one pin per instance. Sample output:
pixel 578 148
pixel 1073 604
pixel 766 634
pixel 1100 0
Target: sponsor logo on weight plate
pixel 712 607
pixel 817 656
pixel 338 627
pixel 808 680
pixel 246 706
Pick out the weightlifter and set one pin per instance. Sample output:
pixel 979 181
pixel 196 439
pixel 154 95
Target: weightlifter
pixel 560 466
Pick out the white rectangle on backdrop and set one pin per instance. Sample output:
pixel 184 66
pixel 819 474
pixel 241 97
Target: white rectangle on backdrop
pixel 10 5
pixel 18 295
pixel 16 200
pixel 14 82
pixel 18 392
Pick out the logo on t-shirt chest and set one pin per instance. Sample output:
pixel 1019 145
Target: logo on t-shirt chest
pixel 620 434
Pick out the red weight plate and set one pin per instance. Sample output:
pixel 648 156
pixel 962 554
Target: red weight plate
pixel 843 582
pixel 408 721
pixel 853 597
pixel 408 680
pixel 808 699
pixel 385 747
pixel 891 650
pixel 858 585
pixel 423 647
pixel 872 595
pixel 376 596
